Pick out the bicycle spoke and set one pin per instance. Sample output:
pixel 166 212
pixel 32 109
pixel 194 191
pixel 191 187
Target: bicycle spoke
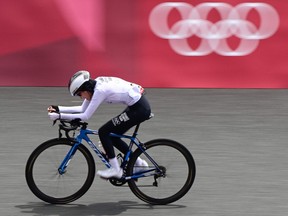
pixel 48 184
pixel 174 178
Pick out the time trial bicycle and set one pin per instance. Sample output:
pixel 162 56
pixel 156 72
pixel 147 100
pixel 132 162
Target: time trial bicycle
pixel 61 170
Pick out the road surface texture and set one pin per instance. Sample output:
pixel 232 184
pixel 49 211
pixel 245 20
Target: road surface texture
pixel 239 140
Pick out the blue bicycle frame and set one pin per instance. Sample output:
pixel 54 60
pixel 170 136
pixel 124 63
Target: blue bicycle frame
pixel 83 135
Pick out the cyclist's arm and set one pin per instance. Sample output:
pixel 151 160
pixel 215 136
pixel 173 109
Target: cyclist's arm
pixel 74 109
pixel 91 107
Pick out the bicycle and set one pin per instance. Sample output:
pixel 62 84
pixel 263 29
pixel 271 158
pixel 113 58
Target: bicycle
pixel 61 170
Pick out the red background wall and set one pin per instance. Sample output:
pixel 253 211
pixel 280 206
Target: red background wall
pixel 43 42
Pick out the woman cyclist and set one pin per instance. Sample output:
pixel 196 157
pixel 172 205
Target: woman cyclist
pixel 106 90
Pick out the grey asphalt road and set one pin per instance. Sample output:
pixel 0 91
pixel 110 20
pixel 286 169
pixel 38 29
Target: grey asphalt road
pixel 238 138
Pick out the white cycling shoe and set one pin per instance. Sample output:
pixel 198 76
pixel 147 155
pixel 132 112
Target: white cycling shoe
pixel 142 166
pixel 110 173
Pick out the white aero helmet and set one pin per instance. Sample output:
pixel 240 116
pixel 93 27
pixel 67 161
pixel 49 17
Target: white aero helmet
pixel 77 80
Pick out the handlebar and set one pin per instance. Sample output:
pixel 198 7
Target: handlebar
pixel 70 125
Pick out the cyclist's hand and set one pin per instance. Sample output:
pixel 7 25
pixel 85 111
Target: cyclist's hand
pixel 53 108
pixel 54 116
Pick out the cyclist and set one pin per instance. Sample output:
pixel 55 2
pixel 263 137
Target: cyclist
pixel 109 90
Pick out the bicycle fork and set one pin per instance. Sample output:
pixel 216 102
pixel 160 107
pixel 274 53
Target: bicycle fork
pixel 63 166
pixel 67 159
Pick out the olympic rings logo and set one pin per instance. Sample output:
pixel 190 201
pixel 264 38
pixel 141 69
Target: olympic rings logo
pixel 214 36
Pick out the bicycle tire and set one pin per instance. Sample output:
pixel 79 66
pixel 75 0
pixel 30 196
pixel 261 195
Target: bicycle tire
pixel 175 159
pixel 42 174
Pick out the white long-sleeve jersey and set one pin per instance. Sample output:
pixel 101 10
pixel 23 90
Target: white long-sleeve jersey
pixel 107 90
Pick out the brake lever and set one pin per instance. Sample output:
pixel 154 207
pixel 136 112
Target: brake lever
pixel 60 134
pixel 54 122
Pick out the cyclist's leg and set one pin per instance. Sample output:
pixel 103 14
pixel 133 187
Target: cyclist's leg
pixel 120 144
pixel 123 147
pixel 130 117
pixel 105 138
pixel 113 126
pixel 120 124
pixel 118 128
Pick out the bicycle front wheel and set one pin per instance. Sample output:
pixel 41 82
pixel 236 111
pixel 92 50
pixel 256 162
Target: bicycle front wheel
pixel 44 179
pixel 168 178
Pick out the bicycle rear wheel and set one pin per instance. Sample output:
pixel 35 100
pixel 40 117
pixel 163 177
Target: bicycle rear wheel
pixel 44 180
pixel 169 183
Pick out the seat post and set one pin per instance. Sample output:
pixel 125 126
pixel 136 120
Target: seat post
pixel 136 130
pixel 138 125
